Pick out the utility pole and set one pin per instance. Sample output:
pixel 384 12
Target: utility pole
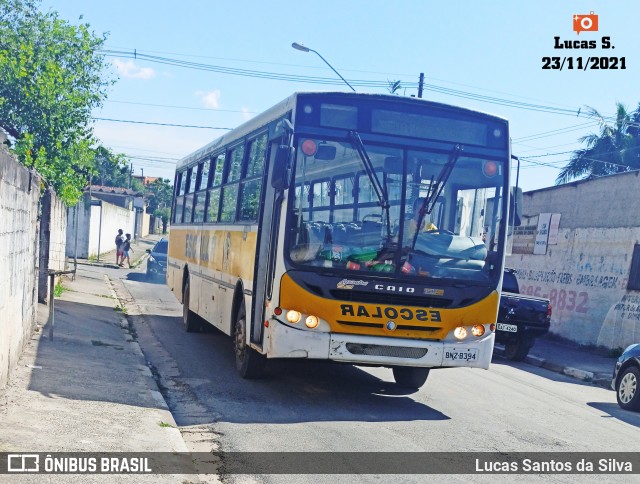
pixel 420 84
pixel 130 174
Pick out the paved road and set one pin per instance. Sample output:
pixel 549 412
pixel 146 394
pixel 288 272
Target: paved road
pixel 307 406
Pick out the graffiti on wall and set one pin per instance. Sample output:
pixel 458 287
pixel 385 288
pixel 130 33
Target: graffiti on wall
pixel 621 325
pixel 590 294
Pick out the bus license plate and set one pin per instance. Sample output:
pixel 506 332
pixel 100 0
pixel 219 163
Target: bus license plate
pixel 455 354
pixel 511 328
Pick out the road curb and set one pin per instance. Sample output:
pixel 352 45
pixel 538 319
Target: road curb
pixel 152 384
pixel 582 375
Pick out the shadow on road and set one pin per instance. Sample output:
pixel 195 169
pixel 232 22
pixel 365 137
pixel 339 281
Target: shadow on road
pixel 614 410
pixel 144 277
pixel 292 391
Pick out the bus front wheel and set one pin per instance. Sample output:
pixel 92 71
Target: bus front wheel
pixel 410 377
pixel 249 363
pixel 189 318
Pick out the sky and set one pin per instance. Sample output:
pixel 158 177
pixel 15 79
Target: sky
pixel 484 55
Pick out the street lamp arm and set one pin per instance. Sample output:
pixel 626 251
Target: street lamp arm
pixel 325 61
pixel 303 48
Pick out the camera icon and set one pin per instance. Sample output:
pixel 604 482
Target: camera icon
pixel 585 23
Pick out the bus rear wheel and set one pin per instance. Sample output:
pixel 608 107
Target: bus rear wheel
pixel 249 363
pixel 189 318
pixel 410 377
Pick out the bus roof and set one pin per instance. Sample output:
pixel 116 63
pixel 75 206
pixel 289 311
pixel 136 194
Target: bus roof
pixel 289 103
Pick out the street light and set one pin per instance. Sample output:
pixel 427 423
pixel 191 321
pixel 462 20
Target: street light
pixel 301 47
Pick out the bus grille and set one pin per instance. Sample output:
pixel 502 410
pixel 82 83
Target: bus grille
pixel 390 351
pixel 391 299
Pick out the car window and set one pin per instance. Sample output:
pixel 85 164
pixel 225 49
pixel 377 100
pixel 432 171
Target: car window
pixel 161 247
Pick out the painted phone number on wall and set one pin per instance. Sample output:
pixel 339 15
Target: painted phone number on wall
pixel 582 63
pixel 560 299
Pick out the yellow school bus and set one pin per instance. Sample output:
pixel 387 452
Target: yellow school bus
pixel 358 228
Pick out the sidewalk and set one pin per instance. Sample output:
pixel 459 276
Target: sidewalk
pixel 89 389
pixel 585 364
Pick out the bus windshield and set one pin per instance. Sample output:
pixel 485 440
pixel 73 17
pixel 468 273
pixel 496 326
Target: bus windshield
pixel 409 212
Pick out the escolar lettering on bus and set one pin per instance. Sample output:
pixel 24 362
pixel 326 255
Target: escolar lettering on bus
pixel 380 312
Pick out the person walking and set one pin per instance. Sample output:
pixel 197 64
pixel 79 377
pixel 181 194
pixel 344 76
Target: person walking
pixel 119 243
pixel 126 247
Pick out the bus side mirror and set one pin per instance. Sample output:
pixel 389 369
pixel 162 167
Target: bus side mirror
pixel 515 207
pixel 282 167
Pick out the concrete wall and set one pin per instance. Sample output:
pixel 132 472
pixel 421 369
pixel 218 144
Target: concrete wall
pixel 585 265
pixel 92 231
pixel 145 220
pixel 19 195
pixel 113 218
pixel 53 240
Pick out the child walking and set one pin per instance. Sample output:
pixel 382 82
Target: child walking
pixel 126 247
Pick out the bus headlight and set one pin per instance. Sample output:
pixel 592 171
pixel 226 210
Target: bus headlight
pixel 293 316
pixel 460 332
pixel 477 330
pixel 311 321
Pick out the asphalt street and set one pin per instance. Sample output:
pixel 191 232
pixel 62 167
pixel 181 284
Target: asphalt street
pixel 315 406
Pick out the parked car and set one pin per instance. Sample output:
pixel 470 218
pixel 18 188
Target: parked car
pixel 157 263
pixel 626 378
pixel 521 318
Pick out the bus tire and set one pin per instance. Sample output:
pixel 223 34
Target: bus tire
pixel 410 377
pixel 189 318
pixel 517 349
pixel 249 363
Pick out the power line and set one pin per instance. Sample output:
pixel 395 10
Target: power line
pixel 553 132
pixel 333 81
pixel 182 107
pixel 159 124
pixel 386 74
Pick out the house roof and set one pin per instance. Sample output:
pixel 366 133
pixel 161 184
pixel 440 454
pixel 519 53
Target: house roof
pixel 114 191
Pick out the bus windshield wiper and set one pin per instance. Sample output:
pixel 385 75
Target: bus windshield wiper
pixel 435 189
pixel 379 188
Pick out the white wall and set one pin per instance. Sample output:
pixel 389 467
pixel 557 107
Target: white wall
pixel 91 230
pixel 113 218
pixel 19 194
pixel 585 273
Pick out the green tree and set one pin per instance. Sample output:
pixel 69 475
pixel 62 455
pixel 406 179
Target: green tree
pixel 159 194
pixel 110 169
pixel 615 149
pixel 51 77
pixel 163 214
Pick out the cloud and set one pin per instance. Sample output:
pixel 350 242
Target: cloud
pixel 209 99
pixel 131 70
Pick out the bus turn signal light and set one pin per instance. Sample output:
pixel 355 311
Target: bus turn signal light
pixel 477 330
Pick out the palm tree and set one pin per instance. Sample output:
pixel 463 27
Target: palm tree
pixel 615 149
pixel 394 86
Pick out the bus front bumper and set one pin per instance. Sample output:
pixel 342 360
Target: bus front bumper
pixel 287 342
